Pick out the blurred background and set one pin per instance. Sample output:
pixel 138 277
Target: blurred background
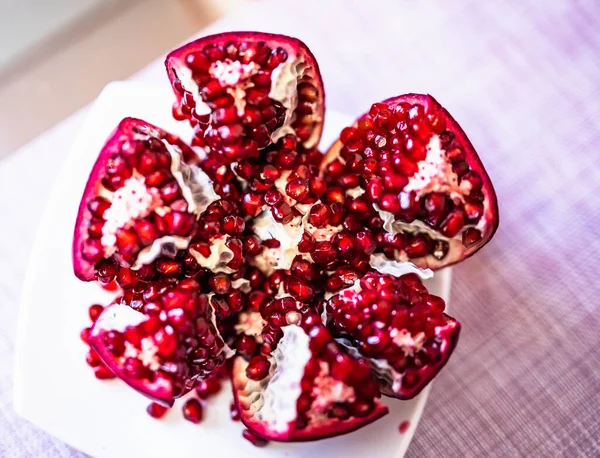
pixel 56 55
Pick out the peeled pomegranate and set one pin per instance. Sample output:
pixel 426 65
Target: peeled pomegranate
pixel 141 200
pixel 398 326
pixel 162 341
pixel 304 269
pixel 243 91
pixel 412 161
pixel 308 388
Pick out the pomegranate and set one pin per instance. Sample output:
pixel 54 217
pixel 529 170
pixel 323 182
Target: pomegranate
pixel 303 269
pixel 160 342
pixel 243 91
pixel 307 388
pixel 410 160
pixel 141 201
pixel 398 326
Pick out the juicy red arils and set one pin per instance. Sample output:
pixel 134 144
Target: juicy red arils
pixel 161 354
pixel 234 79
pixel 133 199
pixel 395 320
pixel 333 393
pixel 420 172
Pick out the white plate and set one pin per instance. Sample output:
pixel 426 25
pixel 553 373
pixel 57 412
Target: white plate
pixel 56 390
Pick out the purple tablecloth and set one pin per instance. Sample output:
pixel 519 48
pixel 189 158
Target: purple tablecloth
pixel 523 79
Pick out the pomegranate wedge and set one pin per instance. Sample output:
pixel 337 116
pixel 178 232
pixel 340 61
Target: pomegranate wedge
pixel 308 388
pixel 242 91
pixel 163 348
pixel 141 200
pixel 415 165
pixel 398 326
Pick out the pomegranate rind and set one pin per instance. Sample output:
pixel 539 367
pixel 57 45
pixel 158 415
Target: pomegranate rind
pixel 334 427
pixel 293 46
pixel 457 252
pixel 126 130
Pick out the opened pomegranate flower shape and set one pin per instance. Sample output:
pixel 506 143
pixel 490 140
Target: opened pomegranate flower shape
pixel 141 201
pixel 244 90
pixel 307 388
pixel 415 165
pixel 160 341
pixel 398 326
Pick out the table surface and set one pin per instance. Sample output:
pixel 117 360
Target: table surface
pixel 523 79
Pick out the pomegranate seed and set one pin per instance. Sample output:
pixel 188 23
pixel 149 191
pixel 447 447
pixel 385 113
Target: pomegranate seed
pixel 156 410
pixel 258 368
pixel 298 189
pixel 192 411
pixel 282 213
pixel 453 223
pixel 320 215
pixel 220 283
pixel 85 334
pixel 115 342
pixel 470 237
pixel 94 311
pixel 418 246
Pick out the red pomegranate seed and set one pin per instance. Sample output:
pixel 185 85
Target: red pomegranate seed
pixel 192 411
pixel 453 223
pixel 156 410
pixel 470 237
pixel 320 215
pixel 85 335
pixel 209 387
pixel 258 368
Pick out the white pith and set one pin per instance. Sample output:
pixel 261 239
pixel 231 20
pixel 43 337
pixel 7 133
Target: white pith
pixel 288 235
pixel 381 263
pixel 147 354
pixel 284 81
pixel 435 174
pixel 242 284
pixel 231 72
pixel 273 400
pixel 250 324
pixel 130 202
pixel 220 255
pixel 117 317
pixel 328 391
pixel 408 343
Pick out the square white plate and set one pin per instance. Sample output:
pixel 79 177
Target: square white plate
pixel 56 390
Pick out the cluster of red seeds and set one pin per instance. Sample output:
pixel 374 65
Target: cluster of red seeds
pixel 150 160
pixel 239 125
pixel 384 307
pixel 383 151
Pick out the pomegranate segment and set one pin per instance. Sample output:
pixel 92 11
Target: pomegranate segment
pixel 398 326
pixel 243 91
pixel 163 346
pixel 307 388
pixel 141 200
pixel 414 164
